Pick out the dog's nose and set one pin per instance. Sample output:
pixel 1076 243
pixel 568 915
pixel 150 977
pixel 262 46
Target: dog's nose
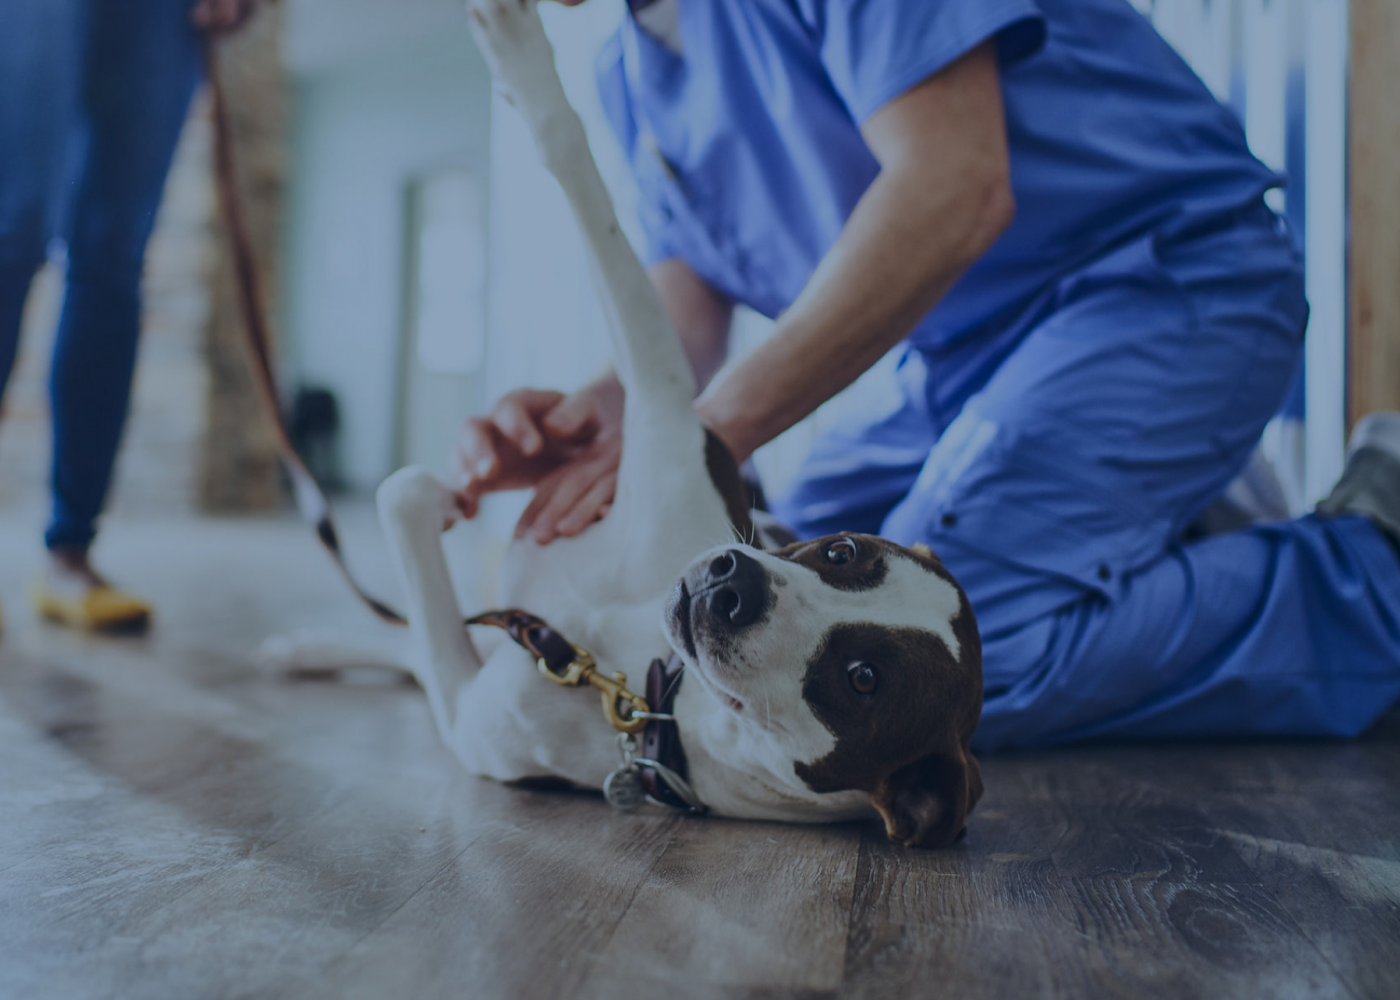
pixel 738 588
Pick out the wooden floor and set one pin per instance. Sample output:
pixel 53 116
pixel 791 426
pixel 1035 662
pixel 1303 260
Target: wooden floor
pixel 172 824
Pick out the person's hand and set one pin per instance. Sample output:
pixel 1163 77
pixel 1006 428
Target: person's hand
pixel 567 447
pixel 575 494
pixel 218 16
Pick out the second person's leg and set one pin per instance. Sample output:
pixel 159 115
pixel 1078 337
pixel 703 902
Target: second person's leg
pixel 40 48
pixel 142 64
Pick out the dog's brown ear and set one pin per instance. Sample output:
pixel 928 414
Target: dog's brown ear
pixel 925 804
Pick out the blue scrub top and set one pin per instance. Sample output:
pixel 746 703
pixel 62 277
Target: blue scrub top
pixel 748 152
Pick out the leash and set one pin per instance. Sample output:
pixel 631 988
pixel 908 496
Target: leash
pixel 311 499
pixel 660 772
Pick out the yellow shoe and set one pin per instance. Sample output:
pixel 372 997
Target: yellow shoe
pixel 97 609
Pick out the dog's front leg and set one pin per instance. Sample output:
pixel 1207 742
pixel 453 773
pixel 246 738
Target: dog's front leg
pixel 414 507
pixel 663 462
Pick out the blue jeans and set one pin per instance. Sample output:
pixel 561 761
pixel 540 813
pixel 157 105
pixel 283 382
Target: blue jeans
pixel 94 95
pixel 1053 463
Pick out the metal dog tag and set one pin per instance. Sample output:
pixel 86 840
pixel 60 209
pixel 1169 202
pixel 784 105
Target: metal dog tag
pixel 623 789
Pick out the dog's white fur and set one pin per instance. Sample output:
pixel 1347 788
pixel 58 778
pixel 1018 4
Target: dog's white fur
pixel 742 716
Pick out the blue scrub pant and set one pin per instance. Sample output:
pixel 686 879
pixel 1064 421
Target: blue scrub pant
pixel 1053 463
pixel 93 94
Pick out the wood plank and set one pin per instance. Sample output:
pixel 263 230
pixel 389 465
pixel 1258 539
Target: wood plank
pixel 987 918
pixel 758 905
pixel 1374 191
pixel 523 912
pixel 1347 905
pixel 1134 812
pixel 1162 939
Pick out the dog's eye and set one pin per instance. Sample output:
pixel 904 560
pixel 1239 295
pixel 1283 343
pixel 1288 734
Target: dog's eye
pixel 841 551
pixel 863 678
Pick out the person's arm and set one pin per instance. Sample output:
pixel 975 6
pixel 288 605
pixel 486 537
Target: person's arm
pixel 941 199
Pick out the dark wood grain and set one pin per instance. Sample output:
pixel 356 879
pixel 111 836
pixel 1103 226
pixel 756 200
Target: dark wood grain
pixel 773 902
pixel 174 824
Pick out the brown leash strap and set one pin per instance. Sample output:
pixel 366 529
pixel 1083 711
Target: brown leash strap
pixel 311 500
pixel 533 634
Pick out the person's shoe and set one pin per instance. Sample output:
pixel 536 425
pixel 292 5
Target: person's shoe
pixel 93 609
pixel 1370 483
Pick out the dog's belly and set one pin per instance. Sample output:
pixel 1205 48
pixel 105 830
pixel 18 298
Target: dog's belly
pixel 523 725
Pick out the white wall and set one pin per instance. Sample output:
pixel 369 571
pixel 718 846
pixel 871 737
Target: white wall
pixel 383 91
pixel 545 325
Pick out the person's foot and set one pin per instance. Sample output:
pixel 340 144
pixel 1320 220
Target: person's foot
pixel 71 592
pixel 1370 483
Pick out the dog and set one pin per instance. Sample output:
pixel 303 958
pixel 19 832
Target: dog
pixel 827 680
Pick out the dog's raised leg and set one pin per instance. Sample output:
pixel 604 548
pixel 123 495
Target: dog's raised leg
pixel 414 507
pixel 664 455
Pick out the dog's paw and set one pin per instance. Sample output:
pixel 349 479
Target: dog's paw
pixel 324 653
pixel 297 653
pixel 512 39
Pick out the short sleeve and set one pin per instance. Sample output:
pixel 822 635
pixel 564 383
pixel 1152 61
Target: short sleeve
pixel 661 237
pixel 875 50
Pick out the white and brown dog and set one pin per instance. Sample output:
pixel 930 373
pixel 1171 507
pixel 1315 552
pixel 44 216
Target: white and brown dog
pixel 825 681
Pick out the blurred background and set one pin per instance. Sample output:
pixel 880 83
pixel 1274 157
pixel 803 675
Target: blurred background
pixel 392 196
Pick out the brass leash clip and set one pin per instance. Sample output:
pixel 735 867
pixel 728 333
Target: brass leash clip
pixel 626 712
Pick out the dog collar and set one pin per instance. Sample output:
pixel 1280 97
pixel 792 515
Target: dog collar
pixel 663 758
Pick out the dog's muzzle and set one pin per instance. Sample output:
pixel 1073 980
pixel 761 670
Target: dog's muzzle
pixel 731 589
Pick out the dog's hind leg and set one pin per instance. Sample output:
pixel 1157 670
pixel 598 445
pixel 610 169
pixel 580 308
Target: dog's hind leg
pixel 414 508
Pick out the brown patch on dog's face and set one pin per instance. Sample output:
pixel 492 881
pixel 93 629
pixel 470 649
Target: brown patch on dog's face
pixel 901 706
pixel 904 738
pixel 857 667
pixel 845 562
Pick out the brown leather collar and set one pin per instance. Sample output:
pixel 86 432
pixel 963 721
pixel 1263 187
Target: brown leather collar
pixel 660 740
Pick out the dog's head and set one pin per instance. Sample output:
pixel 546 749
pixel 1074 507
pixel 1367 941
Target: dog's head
pixel 857 659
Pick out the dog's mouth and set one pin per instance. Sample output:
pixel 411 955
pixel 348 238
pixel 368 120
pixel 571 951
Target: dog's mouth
pixel 680 614
pixel 682 629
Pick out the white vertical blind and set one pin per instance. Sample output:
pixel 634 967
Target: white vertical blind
pixel 1326 35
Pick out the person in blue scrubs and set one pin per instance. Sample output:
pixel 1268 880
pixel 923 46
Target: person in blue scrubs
pixel 93 94
pixel 1062 233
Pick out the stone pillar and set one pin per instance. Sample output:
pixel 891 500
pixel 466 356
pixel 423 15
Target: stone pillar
pixel 238 462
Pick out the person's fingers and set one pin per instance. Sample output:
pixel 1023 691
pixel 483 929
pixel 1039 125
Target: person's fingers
pixel 590 507
pixel 518 425
pixel 477 455
pixel 517 415
pixel 575 418
pixel 556 495
pixel 468 497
